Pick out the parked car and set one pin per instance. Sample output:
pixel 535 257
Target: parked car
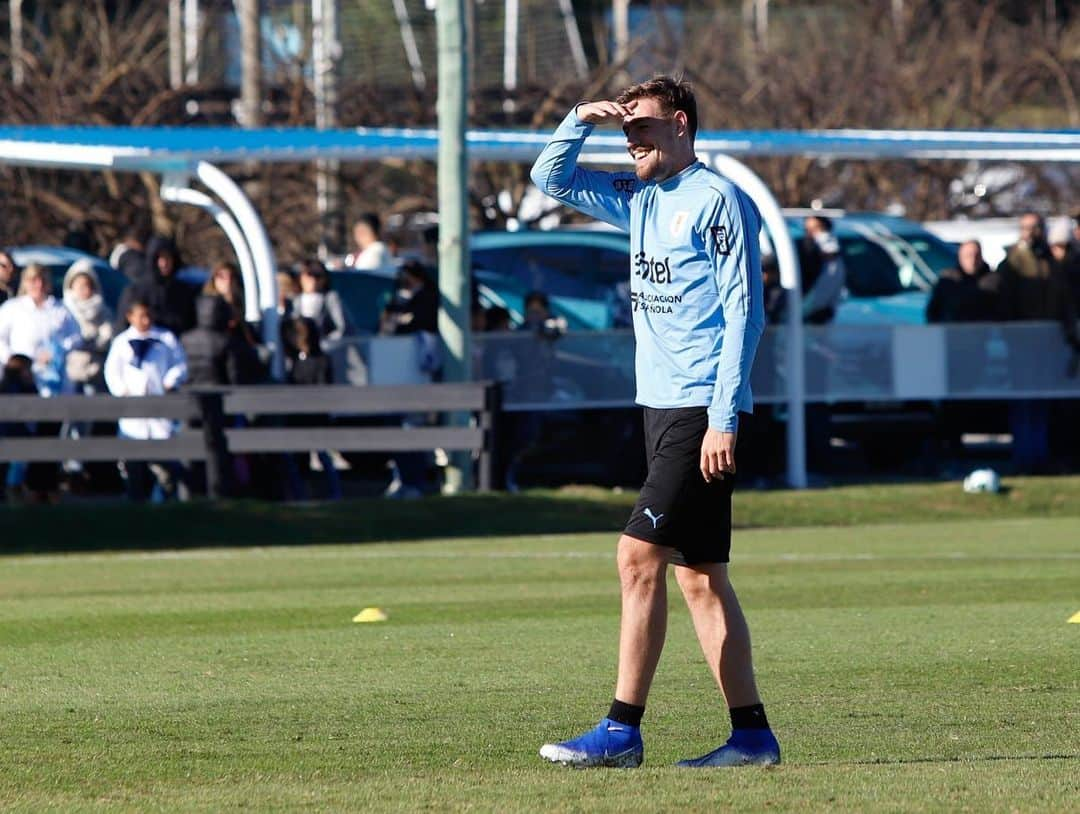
pixel 891 263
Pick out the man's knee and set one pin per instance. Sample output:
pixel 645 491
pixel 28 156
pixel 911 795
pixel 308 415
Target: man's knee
pixel 702 582
pixel 641 564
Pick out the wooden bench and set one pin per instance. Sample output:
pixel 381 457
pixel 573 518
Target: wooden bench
pixel 207 436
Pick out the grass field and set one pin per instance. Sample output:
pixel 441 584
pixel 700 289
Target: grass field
pixel 905 667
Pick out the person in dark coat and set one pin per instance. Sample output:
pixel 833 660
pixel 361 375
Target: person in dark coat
pixel 414 306
pixel 964 293
pixel 172 302
pixel 129 256
pixel 414 311
pixel 310 367
pixel 9 277
pixel 1034 286
pixel 216 355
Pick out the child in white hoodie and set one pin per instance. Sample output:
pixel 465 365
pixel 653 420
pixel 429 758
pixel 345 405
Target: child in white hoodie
pixel 145 361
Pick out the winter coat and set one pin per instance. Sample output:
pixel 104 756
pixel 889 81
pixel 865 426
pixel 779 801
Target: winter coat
pixel 31 331
pixel 172 302
pixel 962 297
pixel 311 369
pixel 1035 287
pixel 84 364
pixel 215 355
pixel 149 364
pixel 132 263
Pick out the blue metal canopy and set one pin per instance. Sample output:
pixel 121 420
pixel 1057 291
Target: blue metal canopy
pixel 175 148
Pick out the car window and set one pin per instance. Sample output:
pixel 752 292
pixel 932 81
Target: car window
pixel 870 270
pixel 938 256
pixel 572 276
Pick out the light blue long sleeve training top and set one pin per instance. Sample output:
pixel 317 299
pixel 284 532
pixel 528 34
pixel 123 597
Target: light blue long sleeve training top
pixel 695 286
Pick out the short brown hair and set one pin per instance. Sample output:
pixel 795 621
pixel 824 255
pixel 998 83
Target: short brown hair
pixel 673 95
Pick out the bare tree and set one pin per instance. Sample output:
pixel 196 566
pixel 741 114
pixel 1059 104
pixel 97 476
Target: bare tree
pixel 962 64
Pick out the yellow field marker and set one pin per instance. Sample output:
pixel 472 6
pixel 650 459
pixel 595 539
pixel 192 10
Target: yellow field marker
pixel 371 615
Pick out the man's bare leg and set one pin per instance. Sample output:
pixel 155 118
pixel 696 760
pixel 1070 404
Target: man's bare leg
pixel 616 740
pixel 643 624
pixel 725 640
pixel 721 630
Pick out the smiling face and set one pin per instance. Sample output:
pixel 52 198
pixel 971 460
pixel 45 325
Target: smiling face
pixel 658 142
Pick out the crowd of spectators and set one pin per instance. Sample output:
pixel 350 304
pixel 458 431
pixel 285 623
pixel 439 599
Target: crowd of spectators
pixel 167 333
pixel 1039 280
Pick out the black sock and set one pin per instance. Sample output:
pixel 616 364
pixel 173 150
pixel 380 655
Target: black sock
pixel 751 717
pixel 625 713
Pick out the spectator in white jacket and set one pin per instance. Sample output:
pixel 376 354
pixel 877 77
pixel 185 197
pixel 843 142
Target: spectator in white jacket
pixel 144 360
pixel 34 324
pixel 147 361
pixel 371 254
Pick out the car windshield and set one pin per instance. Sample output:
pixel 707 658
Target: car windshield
pixel 935 253
pixel 870 271
pixel 581 281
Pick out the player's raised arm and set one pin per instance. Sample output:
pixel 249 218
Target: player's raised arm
pixel 602 195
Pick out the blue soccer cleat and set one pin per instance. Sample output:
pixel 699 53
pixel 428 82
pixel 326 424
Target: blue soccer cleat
pixel 610 744
pixel 745 747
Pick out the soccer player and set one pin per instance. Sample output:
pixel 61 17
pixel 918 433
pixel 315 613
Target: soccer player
pixel 696 296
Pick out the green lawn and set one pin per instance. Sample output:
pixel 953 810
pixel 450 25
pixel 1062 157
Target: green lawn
pixel 80 526
pixel 905 668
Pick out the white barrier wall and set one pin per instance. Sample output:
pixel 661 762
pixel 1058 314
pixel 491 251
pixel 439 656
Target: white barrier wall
pixel 842 363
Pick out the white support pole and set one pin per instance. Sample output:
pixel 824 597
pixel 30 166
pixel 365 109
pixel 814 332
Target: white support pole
pixel 408 39
pixel 191 42
pixel 250 62
pixel 18 58
pixel 577 50
pixel 762 20
pixel 326 55
pixel 788 261
pixel 262 253
pixel 451 20
pixel 510 46
pixel 175 190
pixel 176 44
pixel 620 12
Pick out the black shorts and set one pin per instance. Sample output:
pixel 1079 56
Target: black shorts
pixel 677 507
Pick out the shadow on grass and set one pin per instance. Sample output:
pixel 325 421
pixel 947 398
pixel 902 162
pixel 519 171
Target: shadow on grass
pixel 201 524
